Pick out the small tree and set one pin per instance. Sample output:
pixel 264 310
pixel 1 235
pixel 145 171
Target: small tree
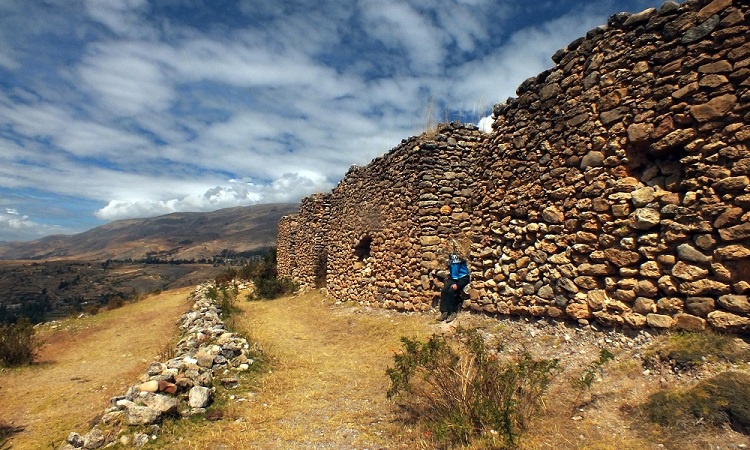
pixel 263 275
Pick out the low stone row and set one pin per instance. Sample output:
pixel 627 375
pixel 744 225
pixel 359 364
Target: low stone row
pixel 183 386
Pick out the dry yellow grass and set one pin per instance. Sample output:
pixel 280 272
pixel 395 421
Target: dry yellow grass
pixel 83 363
pixel 325 385
pixel 325 388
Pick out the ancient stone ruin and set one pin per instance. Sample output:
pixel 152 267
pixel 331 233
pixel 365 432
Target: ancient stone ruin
pixel 615 188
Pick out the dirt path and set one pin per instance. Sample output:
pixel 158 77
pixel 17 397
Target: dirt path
pixel 82 365
pixel 327 383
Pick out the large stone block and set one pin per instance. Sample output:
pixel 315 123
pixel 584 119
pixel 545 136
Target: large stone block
pixel 700 306
pixel 199 397
pixel 142 415
pixel 622 258
pixel 646 218
pixel 689 323
pixel 578 311
pixel 659 321
pixel 735 303
pixel 688 272
pixel 736 233
pixel 732 323
pixel 714 109
pixel 702 287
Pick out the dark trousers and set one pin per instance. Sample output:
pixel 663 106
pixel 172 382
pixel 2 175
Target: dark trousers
pixel 450 299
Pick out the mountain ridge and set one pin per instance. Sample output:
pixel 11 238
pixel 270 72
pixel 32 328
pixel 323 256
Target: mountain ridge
pixel 179 236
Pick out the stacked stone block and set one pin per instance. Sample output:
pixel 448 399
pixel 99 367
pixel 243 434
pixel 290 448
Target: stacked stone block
pixel 302 243
pixel 615 188
pixel 286 262
pixel 386 226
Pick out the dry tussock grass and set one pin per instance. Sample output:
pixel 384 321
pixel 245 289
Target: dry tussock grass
pixel 324 386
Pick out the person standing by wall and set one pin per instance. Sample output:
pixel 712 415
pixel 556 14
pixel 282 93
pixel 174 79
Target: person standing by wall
pixel 455 282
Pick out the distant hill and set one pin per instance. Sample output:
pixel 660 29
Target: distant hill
pixel 172 236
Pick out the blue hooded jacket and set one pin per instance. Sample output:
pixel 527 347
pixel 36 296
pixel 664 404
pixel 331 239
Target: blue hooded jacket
pixel 459 268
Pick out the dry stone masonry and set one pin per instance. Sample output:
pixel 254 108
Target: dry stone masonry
pixel 615 188
pixel 183 386
pixel 302 250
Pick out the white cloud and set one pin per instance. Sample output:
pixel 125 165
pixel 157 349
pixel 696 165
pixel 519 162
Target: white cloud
pixel 401 27
pixel 527 53
pixel 7 60
pixel 17 227
pixel 290 187
pixel 123 17
pixel 485 124
pixel 127 84
pixel 149 114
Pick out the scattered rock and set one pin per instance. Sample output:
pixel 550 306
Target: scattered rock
pixel 206 346
pixel 199 397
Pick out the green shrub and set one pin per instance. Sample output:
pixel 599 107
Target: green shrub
pixel 462 392
pixel 686 350
pixel 586 379
pixel 270 288
pixel 723 399
pixel 263 275
pixel 17 343
pixel 228 304
pixel 212 293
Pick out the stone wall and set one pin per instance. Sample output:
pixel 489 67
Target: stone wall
pixel 286 263
pixel 302 243
pixel 385 224
pixel 614 188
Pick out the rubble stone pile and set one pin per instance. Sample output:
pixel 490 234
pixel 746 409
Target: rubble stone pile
pixel 183 386
pixel 614 188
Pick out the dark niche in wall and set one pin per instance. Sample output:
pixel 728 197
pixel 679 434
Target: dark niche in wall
pixel 363 248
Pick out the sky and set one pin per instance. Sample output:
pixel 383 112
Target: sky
pixel 116 109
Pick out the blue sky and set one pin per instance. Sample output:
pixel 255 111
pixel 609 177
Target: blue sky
pixel 114 109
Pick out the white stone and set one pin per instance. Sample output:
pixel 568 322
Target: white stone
pixel 199 397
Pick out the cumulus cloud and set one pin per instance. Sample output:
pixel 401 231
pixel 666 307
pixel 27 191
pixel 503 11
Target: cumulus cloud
pixel 288 188
pixel 17 227
pixel 138 108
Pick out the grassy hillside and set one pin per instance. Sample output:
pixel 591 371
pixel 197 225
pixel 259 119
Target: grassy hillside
pixel 326 384
pixel 323 383
pixel 83 363
pixel 174 236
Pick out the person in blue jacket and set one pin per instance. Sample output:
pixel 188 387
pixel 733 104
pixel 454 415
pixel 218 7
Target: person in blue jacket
pixel 455 282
